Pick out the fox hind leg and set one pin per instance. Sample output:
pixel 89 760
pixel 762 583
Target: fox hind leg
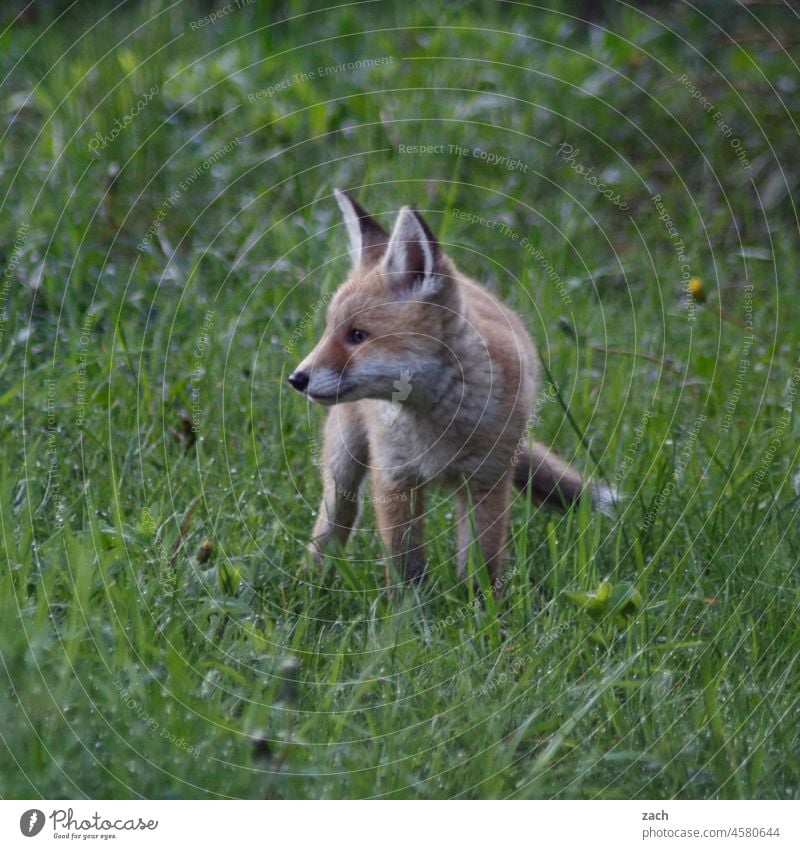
pixel 490 511
pixel 463 529
pixel 345 456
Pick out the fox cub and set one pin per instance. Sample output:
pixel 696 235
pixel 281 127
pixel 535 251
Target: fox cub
pixel 431 380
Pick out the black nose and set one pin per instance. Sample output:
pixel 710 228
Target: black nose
pixel 299 379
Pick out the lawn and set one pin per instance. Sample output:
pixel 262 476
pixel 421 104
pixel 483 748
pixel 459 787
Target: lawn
pixel 169 242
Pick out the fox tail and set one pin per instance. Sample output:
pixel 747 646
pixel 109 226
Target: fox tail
pixel 554 483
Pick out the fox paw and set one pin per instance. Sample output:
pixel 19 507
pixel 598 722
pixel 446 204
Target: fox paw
pixel 414 570
pixel 316 553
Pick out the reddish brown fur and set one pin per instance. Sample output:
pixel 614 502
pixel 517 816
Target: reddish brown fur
pixel 472 374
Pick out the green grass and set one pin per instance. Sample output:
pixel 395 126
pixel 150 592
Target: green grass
pixel 162 633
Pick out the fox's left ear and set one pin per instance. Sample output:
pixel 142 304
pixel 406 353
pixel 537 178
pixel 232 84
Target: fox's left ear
pixel 367 238
pixel 413 258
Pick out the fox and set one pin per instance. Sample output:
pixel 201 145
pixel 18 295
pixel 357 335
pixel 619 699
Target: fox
pixel 431 381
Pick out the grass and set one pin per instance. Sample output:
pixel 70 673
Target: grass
pixel 161 631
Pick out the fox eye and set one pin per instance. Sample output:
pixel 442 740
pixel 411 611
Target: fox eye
pixel 356 337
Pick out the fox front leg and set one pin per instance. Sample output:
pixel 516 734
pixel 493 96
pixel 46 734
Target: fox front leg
pixel 399 513
pixel 345 454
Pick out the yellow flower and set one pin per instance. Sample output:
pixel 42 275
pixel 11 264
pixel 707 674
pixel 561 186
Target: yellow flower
pixel 695 289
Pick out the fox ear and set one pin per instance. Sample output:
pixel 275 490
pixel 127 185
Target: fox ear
pixel 367 238
pixel 413 257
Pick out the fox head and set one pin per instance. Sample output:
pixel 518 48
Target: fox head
pixel 391 318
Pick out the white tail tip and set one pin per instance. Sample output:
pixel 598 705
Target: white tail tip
pixel 605 498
